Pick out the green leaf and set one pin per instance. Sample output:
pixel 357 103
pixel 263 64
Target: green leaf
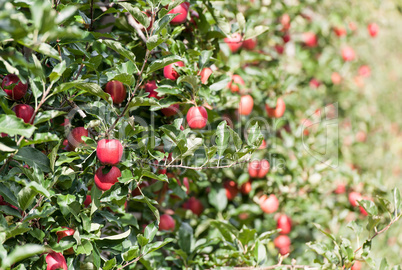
pixel 157 245
pixel 47 115
pixel 397 201
pixel 256 31
pixel 57 71
pixel 369 206
pixel 222 138
pixel 186 237
pixel 150 231
pixel 246 235
pixel 228 231
pixel 20 253
pixel 254 135
pixel 33 157
pixel 217 198
pixel 118 47
pixel 117 236
pixel 26 197
pixel 84 248
pixel 53 155
pixel 204 58
pixel 94 89
pixel 241 20
pixel 162 62
pixel 41 138
pixel 12 125
pixel 220 84
pixel 153 42
pixel 137 14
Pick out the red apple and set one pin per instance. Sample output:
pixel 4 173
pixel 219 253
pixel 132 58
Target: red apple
pixel 65 233
pixel 269 204
pixel 171 110
pixel 286 38
pixel 234 42
pixel 246 105
pixel 352 26
pixel 186 183
pixel 197 117
pixel 18 91
pixel 364 71
pixel 348 54
pixel 205 73
pixel 194 205
pixel 285 223
pixel 246 188
pixel 359 81
pixel 356 266
pixel 373 29
pixel 169 71
pixel 285 21
pixel 182 11
pixel 278 111
pixel 167 223
pixel 106 181
pixel 258 168
pixel 250 44
pixel 150 88
pixel 340 188
pixel 236 82
pixel 55 261
pixel 117 91
pixel 136 191
pixel 88 200
pixel 361 136
pixel 354 197
pixel 75 137
pixel 314 83
pixel 310 39
pixel 263 145
pixel 109 152
pixel 279 49
pixel 340 31
pixel 305 124
pixel 231 189
pixel 282 242
pixel 25 112
pixel 336 78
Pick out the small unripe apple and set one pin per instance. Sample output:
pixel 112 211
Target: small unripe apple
pixel 373 29
pixel 234 42
pixel 258 168
pixel 246 188
pixel 310 39
pixel 354 197
pixel 167 223
pixel 182 9
pixel 117 91
pixel 197 117
pixel 236 82
pixel 109 152
pixel 278 111
pixel 246 105
pixel 340 31
pixel 336 78
pixel 55 261
pixel 250 44
pixel 285 21
pixel 231 189
pixel 205 73
pixel 75 137
pixel 356 266
pixel 284 223
pixel 282 241
pixel 364 71
pixel 269 204
pixel 314 83
pixel 18 91
pixel 150 88
pixel 194 205
pixel 169 71
pixel 25 112
pixel 106 181
pixel 171 110
pixel 348 54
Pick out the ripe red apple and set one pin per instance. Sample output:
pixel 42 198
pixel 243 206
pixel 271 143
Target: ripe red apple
pixel 285 223
pixel 278 111
pixel 285 21
pixel 364 71
pixel 352 26
pixel 340 188
pixel 75 137
pixel 282 242
pixel 65 233
pixel 356 266
pixel 246 105
pixel 136 191
pixel 246 188
pixel 354 197
pixel 310 39
pixel 373 29
pixel 336 78
pixel 340 31
pixel 348 54
pixel 117 91
pixel 171 110
pixel 361 136
pixel 88 200
pixel 109 152
pixel 186 183
pixel 182 9
pixel 305 124
pixel 194 205
pixel 234 42
pixel 25 112
pixel 314 83
pixel 205 73
pixel 263 145
pixel 169 71
pixel 55 261
pixel 269 204
pixel 197 117
pixel 106 181
pixel 286 38
pixel 150 88
pixel 167 223
pixel 236 82
pixel 258 168
pixel 250 44
pixel 18 91
pixel 231 189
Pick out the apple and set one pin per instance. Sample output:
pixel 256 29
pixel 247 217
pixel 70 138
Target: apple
pixel 263 145
pixel 310 39
pixel 305 124
pixel 75 137
pixel 285 21
pixel 186 183
pixel 64 233
pixel 182 11
pixel 236 82
pixel 150 88
pixel 314 83
pixel 348 54
pixel 171 110
pixel 364 71
pixel 246 188
pixel 231 189
pixel 278 111
pixel 361 136
pixel 136 191
pixel 362 210
pixel 279 49
pixel 282 242
pixel 234 42
pixel 106 181
pixel 55 260
pixel 117 91
pixel 250 44
pixel 246 105
pixel 25 112
pixel 354 197
pixel 352 26
pixel 197 117
pixel 205 73
pixel 373 29
pixel 169 71
pixel 285 223
pixel 167 223
pixel 194 205
pixel 109 152
pixel 258 168
pixel 356 266
pixel 88 200
pixel 336 78
pixel 340 188
pixel 18 91
pixel 286 38
pixel 269 204
pixel 340 31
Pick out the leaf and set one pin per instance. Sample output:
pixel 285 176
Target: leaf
pixel 217 198
pixel 47 115
pixel 5 148
pixel 84 248
pixel 33 157
pixel 53 155
pixel 204 58
pixel 369 206
pixel 26 197
pixel 41 138
pixel 150 231
pixel 157 245
pixel 154 41
pixel 94 89
pixel 222 138
pixel 57 71
pixel 220 84
pixel 186 237
pixel 162 62
pixel 241 20
pixel 118 47
pixel 20 253
pixel 227 230
pixel 397 201
pixel 12 125
pixel 254 135
pixel 246 235
pixel 137 14
pixel 256 31
pixel 162 23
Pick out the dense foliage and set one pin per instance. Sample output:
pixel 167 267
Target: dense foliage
pixel 136 138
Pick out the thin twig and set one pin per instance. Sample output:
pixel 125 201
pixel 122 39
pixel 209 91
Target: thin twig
pixel 131 21
pixel 133 261
pixel 199 168
pixel 92 16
